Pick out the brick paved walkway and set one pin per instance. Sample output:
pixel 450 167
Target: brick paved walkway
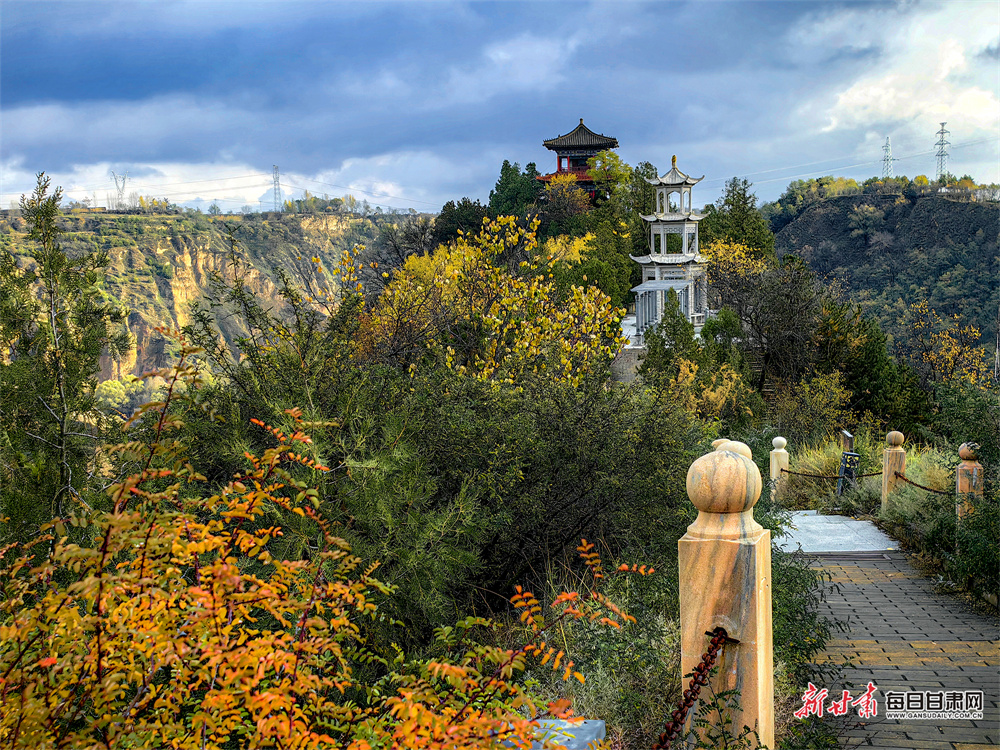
pixel 905 636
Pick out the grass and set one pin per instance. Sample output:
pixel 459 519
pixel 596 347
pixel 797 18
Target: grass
pixel 965 554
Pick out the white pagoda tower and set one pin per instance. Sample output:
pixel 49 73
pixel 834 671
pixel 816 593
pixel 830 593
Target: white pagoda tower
pixel 671 263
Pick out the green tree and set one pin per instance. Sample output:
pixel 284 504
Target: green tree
pixel 778 306
pixel 465 216
pixel 671 340
pixel 516 192
pixel 611 175
pixel 735 218
pixel 604 264
pixel 865 221
pixel 55 324
pixel 640 202
pixel 565 206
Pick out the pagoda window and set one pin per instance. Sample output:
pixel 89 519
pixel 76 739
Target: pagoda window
pixel 564 163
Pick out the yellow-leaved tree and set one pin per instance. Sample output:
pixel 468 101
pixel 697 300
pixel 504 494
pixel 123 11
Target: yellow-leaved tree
pixel 166 622
pixel 484 307
pixel 949 350
pixel 728 259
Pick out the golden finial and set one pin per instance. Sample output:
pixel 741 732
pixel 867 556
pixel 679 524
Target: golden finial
pixel 581 121
pixel 673 161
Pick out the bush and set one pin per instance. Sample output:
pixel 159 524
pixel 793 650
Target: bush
pixel 167 620
pixel 633 681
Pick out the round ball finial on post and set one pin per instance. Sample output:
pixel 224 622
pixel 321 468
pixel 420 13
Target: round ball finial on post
pixel 893 462
pixel 725 481
pixel 968 451
pixel 779 461
pixel 724 570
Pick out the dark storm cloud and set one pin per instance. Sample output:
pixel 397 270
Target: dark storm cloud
pixel 428 98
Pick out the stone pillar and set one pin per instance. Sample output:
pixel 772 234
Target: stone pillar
pixel 893 460
pixel 724 563
pixel 779 461
pixel 968 480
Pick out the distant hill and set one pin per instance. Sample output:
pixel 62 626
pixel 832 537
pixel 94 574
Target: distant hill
pixel 889 251
pixel 160 264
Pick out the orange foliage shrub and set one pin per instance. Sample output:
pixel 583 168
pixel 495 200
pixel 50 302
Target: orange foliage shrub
pixel 166 622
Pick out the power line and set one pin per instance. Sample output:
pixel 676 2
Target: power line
pixel 359 190
pixel 155 189
pixel 830 169
pixel 88 188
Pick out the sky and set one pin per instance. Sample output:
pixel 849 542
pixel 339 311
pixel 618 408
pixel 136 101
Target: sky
pixel 411 104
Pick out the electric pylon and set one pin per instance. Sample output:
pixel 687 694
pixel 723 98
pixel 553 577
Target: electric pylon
pixel 120 187
pixel 887 160
pixel 942 151
pixel 277 189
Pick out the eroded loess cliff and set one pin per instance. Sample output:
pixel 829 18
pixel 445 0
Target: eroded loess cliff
pixel 160 265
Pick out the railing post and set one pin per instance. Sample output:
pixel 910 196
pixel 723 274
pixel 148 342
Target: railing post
pixel 724 563
pixel 779 461
pixel 893 460
pixel 968 480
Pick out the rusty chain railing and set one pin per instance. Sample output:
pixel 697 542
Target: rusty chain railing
pixel 826 476
pixel 927 489
pixel 673 728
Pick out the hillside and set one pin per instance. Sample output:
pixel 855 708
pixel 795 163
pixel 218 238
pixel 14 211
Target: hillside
pixel 888 251
pixel 160 264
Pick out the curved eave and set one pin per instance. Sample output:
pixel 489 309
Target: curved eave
pixel 673 217
pixel 672 180
pixel 667 260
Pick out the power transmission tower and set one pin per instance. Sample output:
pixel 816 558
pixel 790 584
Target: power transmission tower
pixel 120 187
pixel 887 160
pixel 942 152
pixel 277 189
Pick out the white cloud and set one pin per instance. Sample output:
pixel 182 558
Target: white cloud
pixel 230 184
pixel 419 179
pixel 925 71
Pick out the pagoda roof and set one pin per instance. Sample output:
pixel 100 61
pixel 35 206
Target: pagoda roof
pixel 581 137
pixel 667 259
pixel 690 216
pixel 675 177
pixel 662 285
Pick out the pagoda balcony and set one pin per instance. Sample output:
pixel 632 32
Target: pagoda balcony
pixel 580 174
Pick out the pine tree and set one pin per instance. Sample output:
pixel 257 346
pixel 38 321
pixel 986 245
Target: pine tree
pixel 54 327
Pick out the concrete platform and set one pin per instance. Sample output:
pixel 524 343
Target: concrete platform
pixel 816 533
